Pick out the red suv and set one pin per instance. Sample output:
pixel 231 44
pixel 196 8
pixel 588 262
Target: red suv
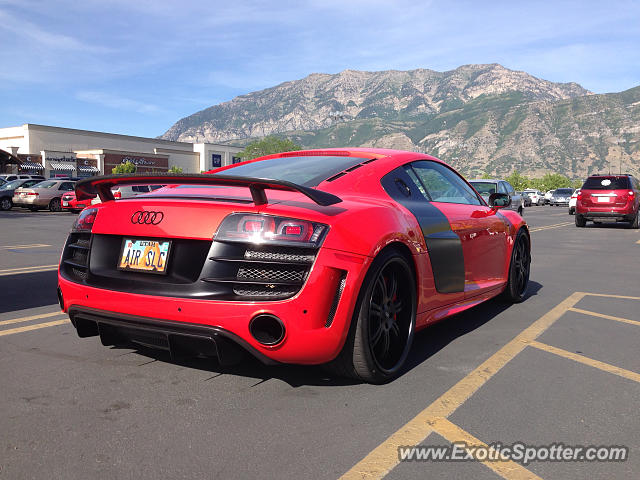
pixel 608 197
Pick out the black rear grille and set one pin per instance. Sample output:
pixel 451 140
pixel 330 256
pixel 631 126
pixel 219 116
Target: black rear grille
pixel 75 257
pixel 268 273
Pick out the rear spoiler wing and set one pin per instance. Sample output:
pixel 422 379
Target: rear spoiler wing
pixel 101 185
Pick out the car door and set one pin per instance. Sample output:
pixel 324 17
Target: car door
pixel 482 231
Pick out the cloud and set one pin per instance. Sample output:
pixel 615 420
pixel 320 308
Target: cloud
pixel 117 102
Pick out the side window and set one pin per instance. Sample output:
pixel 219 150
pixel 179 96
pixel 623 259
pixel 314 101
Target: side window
pixel 509 188
pixel 502 188
pixel 441 184
pixel 66 186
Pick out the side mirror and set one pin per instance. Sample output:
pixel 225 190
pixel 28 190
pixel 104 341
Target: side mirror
pixel 499 200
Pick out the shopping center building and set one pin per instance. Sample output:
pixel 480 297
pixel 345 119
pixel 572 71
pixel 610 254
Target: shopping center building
pixel 58 152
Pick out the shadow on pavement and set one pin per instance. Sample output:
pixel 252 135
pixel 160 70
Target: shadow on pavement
pixel 427 342
pixel 28 290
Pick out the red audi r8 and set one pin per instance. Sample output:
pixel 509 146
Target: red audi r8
pixel 328 257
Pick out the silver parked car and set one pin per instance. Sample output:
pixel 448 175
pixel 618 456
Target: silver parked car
pixel 45 194
pixel 561 197
pixel 486 187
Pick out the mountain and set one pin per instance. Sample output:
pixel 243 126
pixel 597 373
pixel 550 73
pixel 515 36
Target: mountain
pixel 477 117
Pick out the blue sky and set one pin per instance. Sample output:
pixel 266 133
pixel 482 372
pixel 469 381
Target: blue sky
pixel 137 66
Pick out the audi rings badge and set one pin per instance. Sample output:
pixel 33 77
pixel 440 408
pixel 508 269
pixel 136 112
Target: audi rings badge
pixel 145 217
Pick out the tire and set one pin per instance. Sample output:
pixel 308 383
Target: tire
pixel 55 205
pixel 6 203
pixel 519 269
pixel 383 322
pixel 634 223
pixel 580 221
pixel 572 211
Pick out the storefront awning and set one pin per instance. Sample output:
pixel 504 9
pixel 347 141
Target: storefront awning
pixel 88 169
pixel 66 167
pixel 31 166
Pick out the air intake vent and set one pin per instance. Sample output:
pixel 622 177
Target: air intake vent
pixel 75 258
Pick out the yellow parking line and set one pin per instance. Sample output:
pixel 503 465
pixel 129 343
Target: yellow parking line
pixel 602 315
pixel 34 269
pixel 32 317
pixel 549 227
pixel 505 468
pixel 624 297
pixel 32 327
pixel 17 247
pixel 587 361
pixel 384 457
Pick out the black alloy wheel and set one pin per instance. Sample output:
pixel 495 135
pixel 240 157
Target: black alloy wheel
pixel 383 325
pixel 519 269
pixel 6 203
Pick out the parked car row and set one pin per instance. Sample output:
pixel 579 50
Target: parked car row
pixel 36 193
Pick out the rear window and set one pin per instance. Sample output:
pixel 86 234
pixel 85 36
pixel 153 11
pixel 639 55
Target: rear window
pixel 46 184
pixel 607 183
pixel 308 171
pixel 564 191
pixel 484 188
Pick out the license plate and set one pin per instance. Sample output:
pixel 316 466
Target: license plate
pixel 603 199
pixel 144 255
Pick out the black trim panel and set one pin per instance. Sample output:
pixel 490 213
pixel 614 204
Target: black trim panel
pixel 132 326
pixel 443 244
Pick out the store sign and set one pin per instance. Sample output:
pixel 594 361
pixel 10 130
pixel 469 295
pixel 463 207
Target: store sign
pixel 63 158
pixel 145 164
pixel 30 158
pixel 138 161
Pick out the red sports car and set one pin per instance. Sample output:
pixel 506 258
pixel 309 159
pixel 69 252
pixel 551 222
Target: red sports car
pixel 313 257
pixel 71 203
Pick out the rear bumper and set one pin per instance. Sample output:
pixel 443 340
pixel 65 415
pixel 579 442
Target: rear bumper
pixel 31 201
pixel 609 215
pixel 316 320
pixel 176 338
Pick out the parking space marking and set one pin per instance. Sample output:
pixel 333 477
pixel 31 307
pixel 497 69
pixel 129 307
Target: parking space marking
pixel 549 227
pixel 507 469
pixel 34 269
pixel 602 315
pixel 31 317
pixel 605 295
pixel 384 457
pixel 11 331
pixel 587 361
pixel 18 247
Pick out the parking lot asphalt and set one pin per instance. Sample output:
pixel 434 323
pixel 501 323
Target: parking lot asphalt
pixel 561 367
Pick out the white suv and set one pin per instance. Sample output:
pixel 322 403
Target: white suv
pixel 536 196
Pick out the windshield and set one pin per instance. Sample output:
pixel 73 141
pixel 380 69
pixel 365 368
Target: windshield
pixel 304 170
pixel 11 185
pixel 607 183
pixel 45 184
pixel 484 188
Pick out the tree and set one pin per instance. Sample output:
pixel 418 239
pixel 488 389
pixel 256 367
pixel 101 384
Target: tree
pixel 518 181
pixel 175 169
pixel 267 146
pixel 123 168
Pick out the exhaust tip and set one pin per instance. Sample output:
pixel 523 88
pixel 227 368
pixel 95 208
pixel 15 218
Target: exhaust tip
pixel 267 329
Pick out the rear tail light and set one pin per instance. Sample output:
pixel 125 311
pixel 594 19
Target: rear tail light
pixel 117 194
pixel 267 229
pixel 84 222
pixel 33 194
